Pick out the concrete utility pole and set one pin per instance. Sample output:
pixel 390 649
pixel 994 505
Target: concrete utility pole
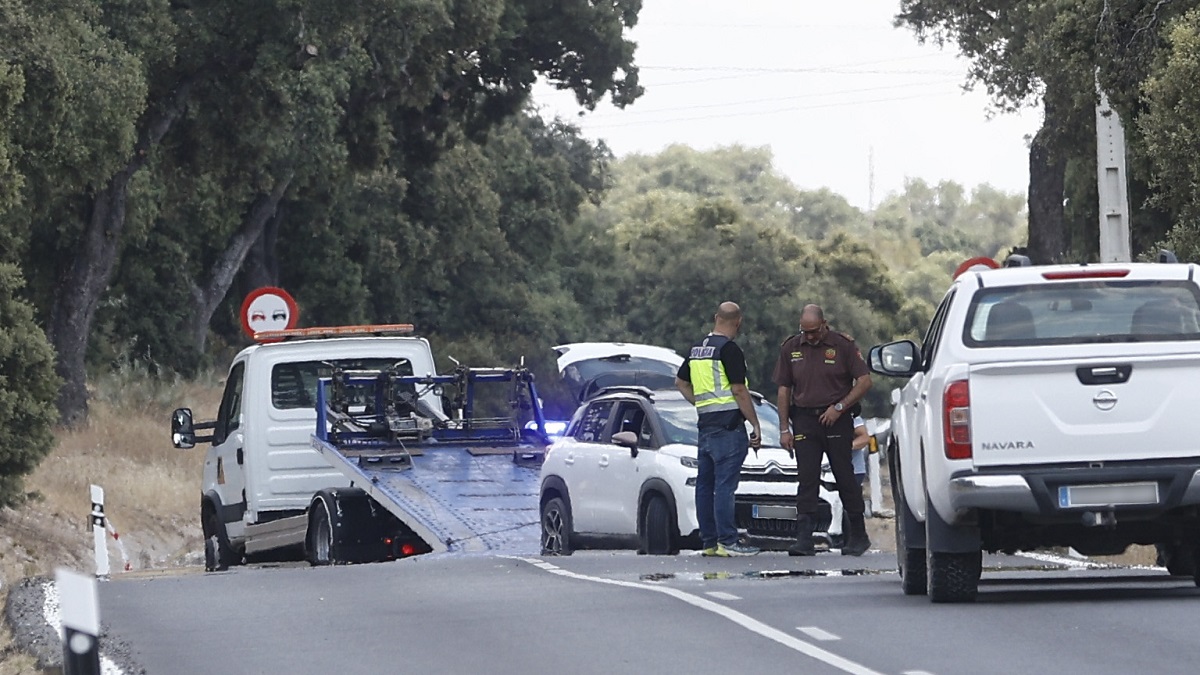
pixel 1110 177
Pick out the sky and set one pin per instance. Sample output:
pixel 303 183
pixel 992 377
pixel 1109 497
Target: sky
pixel 844 100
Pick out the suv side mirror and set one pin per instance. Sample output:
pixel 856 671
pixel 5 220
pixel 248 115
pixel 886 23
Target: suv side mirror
pixel 183 429
pixel 627 439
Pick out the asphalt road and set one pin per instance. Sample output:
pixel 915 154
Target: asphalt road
pixel 604 612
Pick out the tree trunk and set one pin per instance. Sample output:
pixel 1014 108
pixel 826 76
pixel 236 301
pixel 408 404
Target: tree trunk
pixel 1047 177
pixel 86 278
pixel 206 298
pixel 261 267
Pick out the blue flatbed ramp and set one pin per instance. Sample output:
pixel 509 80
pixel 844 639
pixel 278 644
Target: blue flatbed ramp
pixel 458 499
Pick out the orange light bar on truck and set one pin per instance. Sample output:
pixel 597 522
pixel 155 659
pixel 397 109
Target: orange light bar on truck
pixel 333 331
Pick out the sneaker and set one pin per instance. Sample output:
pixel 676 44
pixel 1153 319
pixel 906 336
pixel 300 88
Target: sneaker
pixel 736 549
pixel 712 551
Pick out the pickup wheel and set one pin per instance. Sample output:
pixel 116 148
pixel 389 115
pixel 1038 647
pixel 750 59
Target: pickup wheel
pixel 910 560
pixel 556 527
pixel 1178 558
pixel 656 528
pixel 953 577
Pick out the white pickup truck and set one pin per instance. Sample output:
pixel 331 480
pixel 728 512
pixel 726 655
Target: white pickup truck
pixel 1047 406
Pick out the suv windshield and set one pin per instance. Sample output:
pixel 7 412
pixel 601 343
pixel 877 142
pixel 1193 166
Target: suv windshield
pixel 679 421
pixel 1084 312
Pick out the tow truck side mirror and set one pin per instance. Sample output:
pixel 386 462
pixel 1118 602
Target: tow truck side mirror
pixel 183 429
pixel 627 439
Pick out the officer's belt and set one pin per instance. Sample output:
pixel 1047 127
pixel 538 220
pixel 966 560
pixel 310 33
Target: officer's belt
pixel 809 411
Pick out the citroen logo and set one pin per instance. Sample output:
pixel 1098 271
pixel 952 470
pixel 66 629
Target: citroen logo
pixel 772 467
pixel 1105 399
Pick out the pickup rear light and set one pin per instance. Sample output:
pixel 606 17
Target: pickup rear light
pixel 1086 274
pixel 956 418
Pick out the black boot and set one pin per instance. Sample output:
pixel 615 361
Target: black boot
pixel 857 542
pixel 804 540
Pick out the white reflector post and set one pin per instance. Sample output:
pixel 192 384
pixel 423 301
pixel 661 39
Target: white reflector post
pixel 98 531
pixel 80 622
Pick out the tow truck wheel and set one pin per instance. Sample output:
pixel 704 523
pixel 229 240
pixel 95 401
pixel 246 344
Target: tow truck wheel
pixel 320 544
pixel 218 554
pixel 657 527
pixel 556 527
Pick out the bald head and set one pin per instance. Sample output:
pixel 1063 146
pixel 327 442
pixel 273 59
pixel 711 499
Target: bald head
pixel 812 324
pixel 813 313
pixel 728 311
pixel 728 319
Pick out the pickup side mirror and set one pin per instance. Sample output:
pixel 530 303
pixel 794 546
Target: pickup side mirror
pixel 896 359
pixel 627 439
pixel 183 429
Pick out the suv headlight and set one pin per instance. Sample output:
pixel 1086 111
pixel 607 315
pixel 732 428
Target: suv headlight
pixel 690 462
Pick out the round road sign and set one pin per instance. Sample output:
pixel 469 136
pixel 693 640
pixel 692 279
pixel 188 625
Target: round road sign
pixel 268 308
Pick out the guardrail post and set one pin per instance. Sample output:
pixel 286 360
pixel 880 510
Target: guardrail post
pixel 98 524
pixel 80 622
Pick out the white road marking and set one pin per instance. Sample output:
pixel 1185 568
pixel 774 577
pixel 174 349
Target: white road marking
pixel 916 672
pixel 1059 560
pixel 721 595
pixel 817 634
pixel 50 612
pixel 749 623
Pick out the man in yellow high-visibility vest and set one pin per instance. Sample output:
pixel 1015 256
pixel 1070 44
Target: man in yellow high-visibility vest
pixel 713 377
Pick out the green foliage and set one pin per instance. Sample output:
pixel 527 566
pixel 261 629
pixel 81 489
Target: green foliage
pixel 28 387
pixel 1171 126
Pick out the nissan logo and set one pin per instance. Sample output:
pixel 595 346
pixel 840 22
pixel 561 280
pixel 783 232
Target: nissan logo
pixel 1105 400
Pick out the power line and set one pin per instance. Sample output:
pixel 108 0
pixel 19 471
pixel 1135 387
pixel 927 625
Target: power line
pixel 776 111
pixel 834 70
pixel 774 99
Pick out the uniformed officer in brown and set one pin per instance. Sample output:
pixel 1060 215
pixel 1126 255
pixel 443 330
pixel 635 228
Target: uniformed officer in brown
pixel 821 375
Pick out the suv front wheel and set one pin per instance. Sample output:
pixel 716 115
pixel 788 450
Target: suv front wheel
pixel 556 527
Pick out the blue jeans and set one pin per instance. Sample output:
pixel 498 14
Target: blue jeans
pixel 720 454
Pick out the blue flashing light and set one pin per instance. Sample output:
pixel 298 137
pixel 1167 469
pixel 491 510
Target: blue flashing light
pixel 553 427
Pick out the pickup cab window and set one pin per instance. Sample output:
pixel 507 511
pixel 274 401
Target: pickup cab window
pixel 936 327
pixel 1084 312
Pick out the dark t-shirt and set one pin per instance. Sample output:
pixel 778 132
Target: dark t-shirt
pixel 821 374
pixel 734 361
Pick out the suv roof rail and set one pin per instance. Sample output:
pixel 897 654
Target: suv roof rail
pixel 1167 256
pixel 1018 260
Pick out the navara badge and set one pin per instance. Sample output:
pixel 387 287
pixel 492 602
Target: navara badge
pixel 1105 399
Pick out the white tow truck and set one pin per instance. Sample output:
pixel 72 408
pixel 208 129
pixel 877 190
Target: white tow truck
pixel 345 445
pixel 1048 406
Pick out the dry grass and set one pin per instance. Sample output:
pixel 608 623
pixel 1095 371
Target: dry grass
pixel 151 490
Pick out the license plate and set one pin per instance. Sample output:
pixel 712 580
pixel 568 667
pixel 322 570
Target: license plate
pixel 773 512
pixel 1075 496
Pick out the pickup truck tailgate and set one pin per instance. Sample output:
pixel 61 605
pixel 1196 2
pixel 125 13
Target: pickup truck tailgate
pixel 1078 410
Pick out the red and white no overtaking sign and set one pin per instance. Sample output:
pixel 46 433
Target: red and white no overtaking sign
pixel 268 308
